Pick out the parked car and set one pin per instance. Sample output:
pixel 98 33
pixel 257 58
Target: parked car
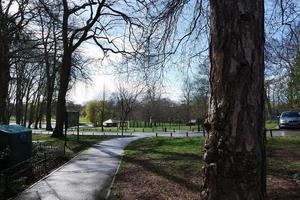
pixel 289 119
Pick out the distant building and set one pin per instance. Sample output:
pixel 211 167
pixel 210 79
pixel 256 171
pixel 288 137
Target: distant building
pixel 192 122
pixel 111 123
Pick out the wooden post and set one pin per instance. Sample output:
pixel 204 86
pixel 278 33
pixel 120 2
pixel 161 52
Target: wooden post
pixel 78 133
pixel 45 162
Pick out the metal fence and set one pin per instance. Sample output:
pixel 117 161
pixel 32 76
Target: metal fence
pixel 17 177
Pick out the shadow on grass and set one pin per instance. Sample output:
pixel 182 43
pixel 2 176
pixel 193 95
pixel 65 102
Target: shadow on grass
pixel 166 174
pixel 168 162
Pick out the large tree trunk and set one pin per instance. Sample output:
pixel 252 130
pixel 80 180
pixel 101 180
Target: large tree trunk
pixel 4 75
pixel 4 83
pixel 234 159
pixel 19 103
pixel 65 73
pixel 49 94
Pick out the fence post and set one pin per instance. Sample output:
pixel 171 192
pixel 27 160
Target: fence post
pixel 45 163
pixel 271 133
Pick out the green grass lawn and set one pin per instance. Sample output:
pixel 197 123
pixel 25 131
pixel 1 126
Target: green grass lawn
pixel 170 168
pixel 179 153
pixel 73 147
pixel 284 155
pixel 271 125
pixel 83 120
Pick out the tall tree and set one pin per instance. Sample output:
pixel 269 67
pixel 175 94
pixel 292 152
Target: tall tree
pixel 187 89
pixel 72 39
pixel 12 22
pixel 293 84
pixel 234 160
pixel 50 32
pixel 105 22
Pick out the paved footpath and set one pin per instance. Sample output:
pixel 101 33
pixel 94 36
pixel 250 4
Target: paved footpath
pixel 86 177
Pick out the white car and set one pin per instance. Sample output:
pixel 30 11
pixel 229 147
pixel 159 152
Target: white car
pixel 289 119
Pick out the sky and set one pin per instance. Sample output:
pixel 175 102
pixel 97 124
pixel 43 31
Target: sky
pixel 103 77
pixel 82 92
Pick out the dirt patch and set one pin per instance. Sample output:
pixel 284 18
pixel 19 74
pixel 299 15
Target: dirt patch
pixel 282 188
pixel 141 180
pixel 137 182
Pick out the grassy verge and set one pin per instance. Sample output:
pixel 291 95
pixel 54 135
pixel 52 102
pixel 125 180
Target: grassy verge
pixel 284 155
pixel 271 125
pixel 170 168
pixel 73 147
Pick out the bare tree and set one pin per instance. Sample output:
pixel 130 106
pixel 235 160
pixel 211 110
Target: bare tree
pixel 127 97
pixel 187 90
pixel 102 17
pixel 50 31
pixel 12 23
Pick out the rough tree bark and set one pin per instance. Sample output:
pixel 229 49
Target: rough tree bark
pixel 65 73
pixel 4 83
pixel 49 94
pixel 234 159
pixel 4 71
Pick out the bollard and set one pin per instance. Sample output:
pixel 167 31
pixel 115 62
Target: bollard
pixel 156 134
pixel 171 134
pixel 187 134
